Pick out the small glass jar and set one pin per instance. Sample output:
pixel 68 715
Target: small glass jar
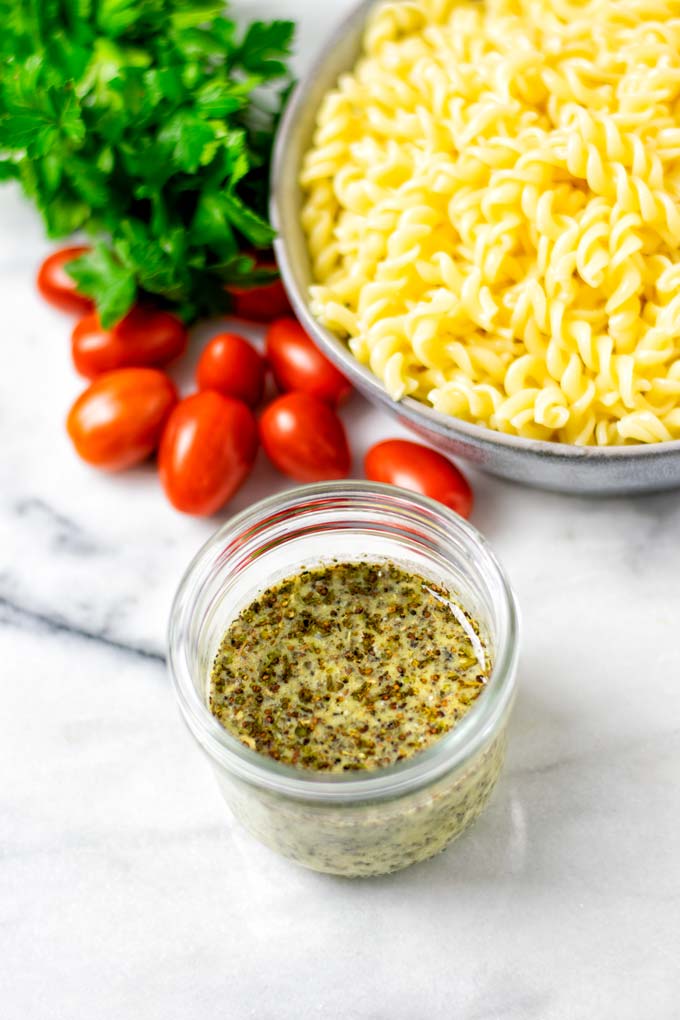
pixel 361 822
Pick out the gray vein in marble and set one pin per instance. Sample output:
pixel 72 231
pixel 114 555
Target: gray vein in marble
pixel 13 614
pixel 68 844
pixel 612 750
pixel 504 1004
pixel 66 534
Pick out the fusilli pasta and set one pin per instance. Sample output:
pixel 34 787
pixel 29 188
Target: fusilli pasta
pixel 492 207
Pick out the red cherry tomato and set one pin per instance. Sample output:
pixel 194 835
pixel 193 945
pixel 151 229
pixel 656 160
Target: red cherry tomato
pixel 57 287
pixel 298 365
pixel 207 451
pixel 263 303
pixel 119 418
pixel 145 336
pixel 232 366
pixel 420 469
pixel 304 438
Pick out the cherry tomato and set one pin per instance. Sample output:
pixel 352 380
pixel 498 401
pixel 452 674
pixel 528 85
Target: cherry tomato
pixel 119 418
pixel 145 336
pixel 298 365
pixel 420 469
pixel 207 451
pixel 57 287
pixel 263 303
pixel 304 438
pixel 232 366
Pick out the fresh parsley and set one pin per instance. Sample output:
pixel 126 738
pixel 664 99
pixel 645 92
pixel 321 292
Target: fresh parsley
pixel 148 124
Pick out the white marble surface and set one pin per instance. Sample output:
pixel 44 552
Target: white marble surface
pixel 126 890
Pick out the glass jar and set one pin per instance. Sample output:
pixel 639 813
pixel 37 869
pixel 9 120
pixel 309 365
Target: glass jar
pixel 362 822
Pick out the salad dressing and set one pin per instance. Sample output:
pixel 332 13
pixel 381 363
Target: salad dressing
pixel 346 666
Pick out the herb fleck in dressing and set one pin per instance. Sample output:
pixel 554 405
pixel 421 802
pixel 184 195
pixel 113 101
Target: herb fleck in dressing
pixel 347 666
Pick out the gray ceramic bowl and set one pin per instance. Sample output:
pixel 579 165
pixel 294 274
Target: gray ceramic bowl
pixel 559 466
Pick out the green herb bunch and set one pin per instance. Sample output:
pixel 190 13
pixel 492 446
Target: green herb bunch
pixel 149 124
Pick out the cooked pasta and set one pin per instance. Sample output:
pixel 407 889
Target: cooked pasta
pixel 492 207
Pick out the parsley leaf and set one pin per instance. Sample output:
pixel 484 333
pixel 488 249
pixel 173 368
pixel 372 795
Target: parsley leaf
pixel 260 51
pixel 101 276
pixel 149 124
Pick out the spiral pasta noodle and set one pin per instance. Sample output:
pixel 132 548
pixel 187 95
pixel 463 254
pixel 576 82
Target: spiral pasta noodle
pixel 492 209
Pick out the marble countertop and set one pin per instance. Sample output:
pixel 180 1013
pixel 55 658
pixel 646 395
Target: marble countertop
pixel 127 892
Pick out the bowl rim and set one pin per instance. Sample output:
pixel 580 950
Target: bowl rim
pixel 338 352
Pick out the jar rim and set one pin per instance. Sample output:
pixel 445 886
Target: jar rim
pixel 449 752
